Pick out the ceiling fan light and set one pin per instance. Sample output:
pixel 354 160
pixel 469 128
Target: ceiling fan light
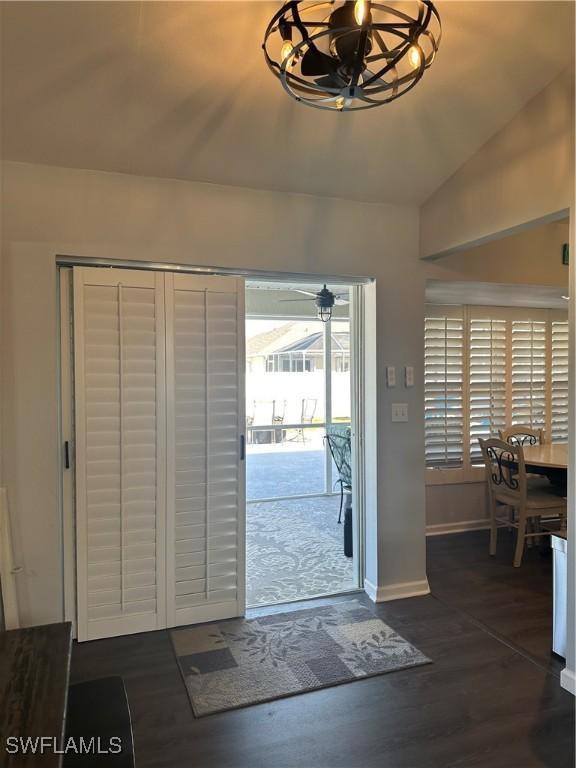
pixel 415 56
pixel 287 50
pixel 363 54
pixel 360 11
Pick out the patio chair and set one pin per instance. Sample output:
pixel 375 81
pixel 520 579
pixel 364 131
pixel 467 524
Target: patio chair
pixel 307 413
pixel 340 445
pixel 250 422
pixel 262 414
pixel 278 416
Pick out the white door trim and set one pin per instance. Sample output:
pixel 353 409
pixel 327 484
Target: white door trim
pixel 67 461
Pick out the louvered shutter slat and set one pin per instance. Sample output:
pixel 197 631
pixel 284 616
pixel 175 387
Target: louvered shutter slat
pixel 119 557
pixel 559 415
pixel 529 372
pixel 487 380
pixel 443 402
pixel 204 572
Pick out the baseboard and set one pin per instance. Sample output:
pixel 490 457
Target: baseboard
pixel 396 591
pixel 458 527
pixel 568 681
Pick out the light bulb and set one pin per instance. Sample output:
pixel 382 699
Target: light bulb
pixel 286 49
pixel 340 102
pixel 360 8
pixel 414 56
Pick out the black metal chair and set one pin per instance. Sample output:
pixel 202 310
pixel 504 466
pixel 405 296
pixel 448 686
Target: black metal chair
pixel 340 444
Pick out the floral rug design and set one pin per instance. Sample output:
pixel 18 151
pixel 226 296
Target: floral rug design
pixel 236 663
pixel 295 550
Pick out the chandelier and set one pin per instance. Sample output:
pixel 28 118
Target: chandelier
pixel 351 55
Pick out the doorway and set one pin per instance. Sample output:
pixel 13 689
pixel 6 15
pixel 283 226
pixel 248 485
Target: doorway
pixel 155 438
pixel 300 379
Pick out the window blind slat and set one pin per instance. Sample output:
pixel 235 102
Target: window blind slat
pixel 488 372
pixel 487 380
pixel 559 384
pixel 443 405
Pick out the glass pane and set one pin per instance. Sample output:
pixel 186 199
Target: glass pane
pixel 341 404
pixel 284 371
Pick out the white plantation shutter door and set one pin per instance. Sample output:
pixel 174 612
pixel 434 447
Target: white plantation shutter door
pixel 120 466
pixel 205 397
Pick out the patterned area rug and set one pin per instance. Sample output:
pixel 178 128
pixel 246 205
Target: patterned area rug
pixel 236 663
pixel 294 550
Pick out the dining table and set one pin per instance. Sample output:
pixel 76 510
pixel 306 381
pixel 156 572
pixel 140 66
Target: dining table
pixel 547 456
pixel 550 459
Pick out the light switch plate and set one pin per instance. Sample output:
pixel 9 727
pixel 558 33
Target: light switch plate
pixel 399 412
pixel 391 376
pixel 409 375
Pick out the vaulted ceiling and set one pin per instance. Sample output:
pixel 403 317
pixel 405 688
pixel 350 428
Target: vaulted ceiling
pixel 181 90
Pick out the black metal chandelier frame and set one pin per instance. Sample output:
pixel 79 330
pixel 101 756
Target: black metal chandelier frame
pixel 363 88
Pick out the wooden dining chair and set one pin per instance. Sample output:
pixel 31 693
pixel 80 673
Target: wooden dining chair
pixel 510 488
pixel 519 434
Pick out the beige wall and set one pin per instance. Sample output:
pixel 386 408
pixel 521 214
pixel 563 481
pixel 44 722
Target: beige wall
pixel 455 507
pixel 521 174
pixel 50 211
pixel 530 257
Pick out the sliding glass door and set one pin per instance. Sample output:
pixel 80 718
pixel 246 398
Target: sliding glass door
pixel 297 383
pixel 298 411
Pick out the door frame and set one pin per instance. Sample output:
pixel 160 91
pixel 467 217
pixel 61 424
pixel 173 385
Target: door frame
pixel 67 480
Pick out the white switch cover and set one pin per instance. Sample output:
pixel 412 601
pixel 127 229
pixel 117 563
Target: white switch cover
pixel 399 412
pixel 391 376
pixel 409 375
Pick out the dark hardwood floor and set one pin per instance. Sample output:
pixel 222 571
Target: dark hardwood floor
pixel 513 603
pixel 490 699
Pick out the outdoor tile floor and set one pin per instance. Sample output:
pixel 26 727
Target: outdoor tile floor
pixel 294 548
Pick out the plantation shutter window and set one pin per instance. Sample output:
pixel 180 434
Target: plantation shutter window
pixel 559 398
pixel 443 376
pixel 487 380
pixel 488 368
pixel 529 375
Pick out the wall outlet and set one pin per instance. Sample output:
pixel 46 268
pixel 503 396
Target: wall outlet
pixel 399 412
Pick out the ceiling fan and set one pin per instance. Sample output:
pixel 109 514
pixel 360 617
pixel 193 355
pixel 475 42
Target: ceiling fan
pixel 324 300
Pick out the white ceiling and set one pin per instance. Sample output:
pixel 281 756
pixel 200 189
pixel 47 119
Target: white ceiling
pixel 495 294
pixel 181 90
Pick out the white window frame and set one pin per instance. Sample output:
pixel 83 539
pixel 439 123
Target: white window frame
pixel 469 473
